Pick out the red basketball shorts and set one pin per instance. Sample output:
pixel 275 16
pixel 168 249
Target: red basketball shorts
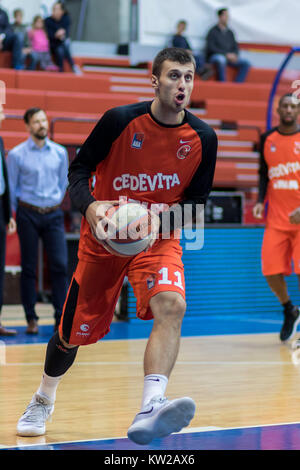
pixel 280 249
pixel 95 288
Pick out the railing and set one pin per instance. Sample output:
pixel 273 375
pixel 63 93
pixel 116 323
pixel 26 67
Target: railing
pixel 70 119
pixel 275 85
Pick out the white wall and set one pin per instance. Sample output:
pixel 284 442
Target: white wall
pixel 253 21
pixel 30 8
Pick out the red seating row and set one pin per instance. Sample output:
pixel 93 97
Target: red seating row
pixel 100 83
pixel 232 110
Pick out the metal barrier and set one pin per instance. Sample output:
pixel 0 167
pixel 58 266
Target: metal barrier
pixel 66 119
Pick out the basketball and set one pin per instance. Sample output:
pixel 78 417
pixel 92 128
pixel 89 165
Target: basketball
pixel 133 229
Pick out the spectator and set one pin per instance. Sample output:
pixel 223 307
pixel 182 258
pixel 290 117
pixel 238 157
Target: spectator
pixel 179 40
pixel 20 29
pixel 57 26
pixel 222 49
pixel 6 220
pixel 40 45
pixel 37 170
pixel 10 41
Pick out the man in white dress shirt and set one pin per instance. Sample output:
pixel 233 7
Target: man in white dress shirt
pixel 37 171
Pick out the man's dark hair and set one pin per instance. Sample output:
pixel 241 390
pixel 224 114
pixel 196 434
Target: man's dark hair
pixel 16 11
pixel 286 95
pixel 62 5
pixel 221 11
pixel 29 113
pixel 174 54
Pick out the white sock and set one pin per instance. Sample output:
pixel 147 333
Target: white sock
pixel 154 385
pixel 48 386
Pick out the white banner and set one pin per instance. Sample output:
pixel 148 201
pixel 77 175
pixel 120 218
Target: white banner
pixel 253 21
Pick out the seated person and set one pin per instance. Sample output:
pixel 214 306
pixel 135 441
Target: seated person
pixel 40 45
pixel 10 41
pixel 20 29
pixel 178 40
pixel 57 27
pixel 222 49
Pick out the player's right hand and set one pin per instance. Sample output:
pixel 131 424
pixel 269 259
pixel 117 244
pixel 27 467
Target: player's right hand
pixel 258 210
pixel 99 223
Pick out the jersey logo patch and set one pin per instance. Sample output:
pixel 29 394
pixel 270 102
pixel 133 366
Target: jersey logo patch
pixel 137 140
pixel 183 151
pixel 297 148
pixel 150 282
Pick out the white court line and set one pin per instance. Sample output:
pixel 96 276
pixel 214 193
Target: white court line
pixel 134 363
pixel 184 431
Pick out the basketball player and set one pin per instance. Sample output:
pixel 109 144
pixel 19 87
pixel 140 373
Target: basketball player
pixel 154 152
pixel 279 186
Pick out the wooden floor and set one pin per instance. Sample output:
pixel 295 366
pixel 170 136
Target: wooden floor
pixel 235 380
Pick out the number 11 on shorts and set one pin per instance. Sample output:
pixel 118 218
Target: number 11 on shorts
pixel 165 278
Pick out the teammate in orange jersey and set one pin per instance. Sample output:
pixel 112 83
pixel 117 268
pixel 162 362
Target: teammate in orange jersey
pixel 157 153
pixel 279 186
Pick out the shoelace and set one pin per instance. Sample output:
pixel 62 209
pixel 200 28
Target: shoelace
pixel 157 400
pixel 36 411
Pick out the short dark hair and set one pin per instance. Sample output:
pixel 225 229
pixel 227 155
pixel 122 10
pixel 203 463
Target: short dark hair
pixel 61 4
pixel 30 112
pixel 174 54
pixel 221 11
pixel 286 95
pixel 16 11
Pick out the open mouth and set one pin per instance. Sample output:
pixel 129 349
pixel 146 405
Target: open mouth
pixel 180 98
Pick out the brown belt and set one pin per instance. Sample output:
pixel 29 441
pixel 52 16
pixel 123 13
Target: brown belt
pixel 40 210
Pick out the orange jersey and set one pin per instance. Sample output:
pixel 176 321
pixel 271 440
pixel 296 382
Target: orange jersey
pixel 135 157
pixel 280 173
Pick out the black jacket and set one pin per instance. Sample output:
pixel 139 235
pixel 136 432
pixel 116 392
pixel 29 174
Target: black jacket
pixel 5 27
pixel 6 195
pixel 53 25
pixel 220 42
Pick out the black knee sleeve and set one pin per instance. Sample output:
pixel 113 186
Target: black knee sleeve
pixel 58 358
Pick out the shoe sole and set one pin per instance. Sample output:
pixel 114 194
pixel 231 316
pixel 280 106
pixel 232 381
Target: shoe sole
pixel 294 328
pixel 171 418
pixel 30 432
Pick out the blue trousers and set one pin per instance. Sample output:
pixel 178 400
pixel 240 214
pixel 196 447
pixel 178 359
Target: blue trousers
pixel 50 229
pixel 13 43
pixel 220 61
pixel 61 52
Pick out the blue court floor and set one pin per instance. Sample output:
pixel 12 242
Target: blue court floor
pixel 204 325
pixel 279 437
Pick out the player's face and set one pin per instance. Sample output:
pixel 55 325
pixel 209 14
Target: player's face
pixel 288 110
pixel 38 125
pixel 175 84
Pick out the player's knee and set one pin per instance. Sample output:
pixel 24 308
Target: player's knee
pixel 65 344
pixel 168 305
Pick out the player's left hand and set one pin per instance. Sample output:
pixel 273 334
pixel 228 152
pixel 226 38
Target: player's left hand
pixel 294 216
pixel 12 226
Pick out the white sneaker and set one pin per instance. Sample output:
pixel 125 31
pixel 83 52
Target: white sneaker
pixel 160 418
pixel 77 70
pixel 32 422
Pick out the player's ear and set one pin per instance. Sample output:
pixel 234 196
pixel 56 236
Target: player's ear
pixel 154 81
